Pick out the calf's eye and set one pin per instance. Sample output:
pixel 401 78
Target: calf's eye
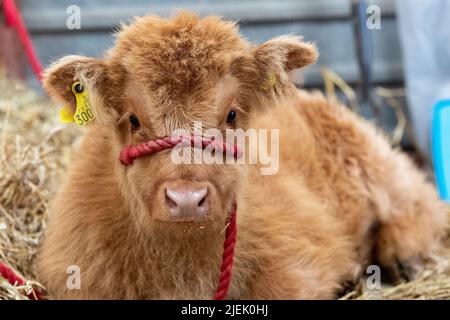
pixel 135 124
pixel 231 118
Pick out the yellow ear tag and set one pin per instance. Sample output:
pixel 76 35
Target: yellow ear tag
pixel 270 82
pixel 83 114
pixel 65 114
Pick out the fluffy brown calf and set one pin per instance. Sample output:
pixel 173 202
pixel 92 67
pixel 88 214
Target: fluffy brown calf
pixel 342 197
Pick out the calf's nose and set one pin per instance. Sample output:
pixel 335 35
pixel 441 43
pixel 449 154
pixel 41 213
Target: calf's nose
pixel 187 204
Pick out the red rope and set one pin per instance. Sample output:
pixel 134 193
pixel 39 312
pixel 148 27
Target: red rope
pixel 14 19
pixel 7 273
pixel 130 153
pixel 227 257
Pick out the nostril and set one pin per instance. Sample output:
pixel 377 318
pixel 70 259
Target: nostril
pixel 202 202
pixel 201 197
pixel 170 202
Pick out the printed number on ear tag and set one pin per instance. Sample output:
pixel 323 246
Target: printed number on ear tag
pixel 83 114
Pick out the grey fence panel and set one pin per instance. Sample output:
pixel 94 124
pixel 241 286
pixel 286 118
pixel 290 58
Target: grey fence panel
pixel 326 22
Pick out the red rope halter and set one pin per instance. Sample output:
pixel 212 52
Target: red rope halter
pixel 227 257
pixel 130 153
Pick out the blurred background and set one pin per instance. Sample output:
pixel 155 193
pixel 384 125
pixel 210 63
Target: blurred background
pixel 388 60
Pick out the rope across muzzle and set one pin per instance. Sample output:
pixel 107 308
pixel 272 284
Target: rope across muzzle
pixel 130 153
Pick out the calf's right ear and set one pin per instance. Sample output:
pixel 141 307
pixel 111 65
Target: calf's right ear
pixel 264 71
pixel 95 77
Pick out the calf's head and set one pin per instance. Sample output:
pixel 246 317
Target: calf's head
pixel 162 76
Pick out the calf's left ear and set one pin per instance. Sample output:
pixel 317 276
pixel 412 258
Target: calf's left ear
pixel 286 53
pixel 265 69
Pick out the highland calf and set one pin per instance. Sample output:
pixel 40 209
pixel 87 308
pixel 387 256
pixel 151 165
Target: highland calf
pixel 342 198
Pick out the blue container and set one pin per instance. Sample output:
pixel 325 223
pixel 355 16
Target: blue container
pixel 441 147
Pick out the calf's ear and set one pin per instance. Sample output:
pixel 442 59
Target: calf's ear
pixel 285 53
pixel 265 69
pixel 96 79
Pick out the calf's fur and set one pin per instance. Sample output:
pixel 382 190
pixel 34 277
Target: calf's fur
pixel 342 198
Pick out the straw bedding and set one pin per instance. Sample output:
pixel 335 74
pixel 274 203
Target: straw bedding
pixel 34 152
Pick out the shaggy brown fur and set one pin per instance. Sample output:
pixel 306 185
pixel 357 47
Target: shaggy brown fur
pixel 341 199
